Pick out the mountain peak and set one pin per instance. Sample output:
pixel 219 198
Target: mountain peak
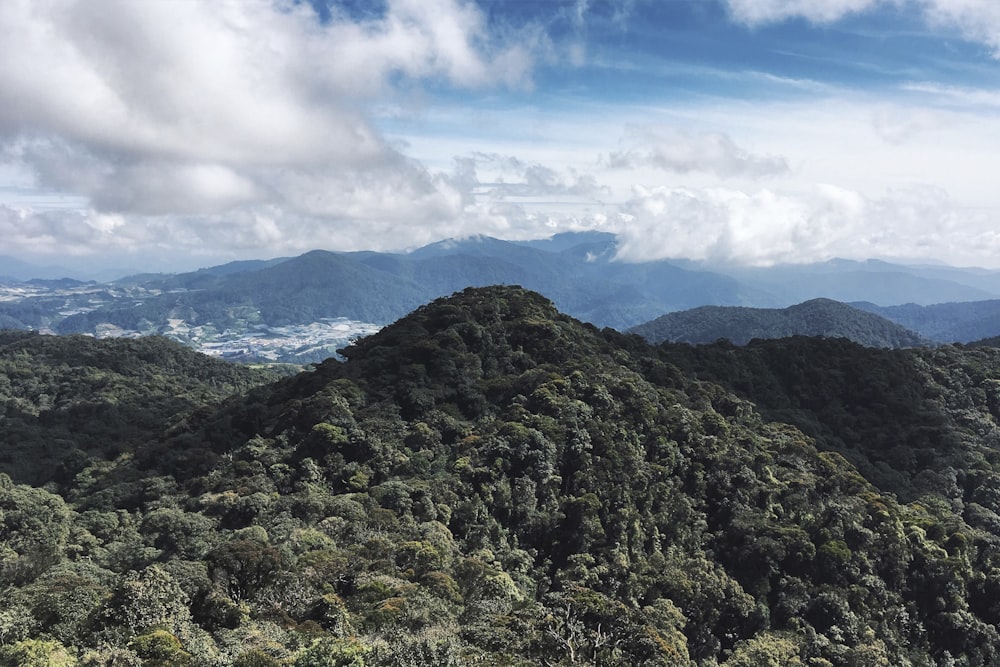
pixel 468 319
pixel 473 335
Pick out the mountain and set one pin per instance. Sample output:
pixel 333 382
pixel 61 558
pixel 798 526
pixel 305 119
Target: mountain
pixel 818 317
pixel 488 481
pixel 307 288
pixel 874 281
pixel 13 269
pixel 381 287
pixel 909 419
pixel 945 322
pixel 568 241
pixel 16 270
pixel 580 272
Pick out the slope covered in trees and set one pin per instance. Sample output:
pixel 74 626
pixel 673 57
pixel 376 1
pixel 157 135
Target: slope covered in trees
pixel 65 399
pixel 740 325
pixel 489 482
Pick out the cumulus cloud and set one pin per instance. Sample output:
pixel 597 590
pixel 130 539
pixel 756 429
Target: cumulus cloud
pixel 63 232
pixel 683 152
pixel 246 107
pixel 766 227
pixel 978 20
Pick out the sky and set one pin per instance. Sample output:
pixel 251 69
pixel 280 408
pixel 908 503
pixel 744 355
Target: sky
pixel 174 134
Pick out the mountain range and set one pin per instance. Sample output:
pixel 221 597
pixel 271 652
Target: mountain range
pixel 945 322
pixel 578 271
pixel 488 481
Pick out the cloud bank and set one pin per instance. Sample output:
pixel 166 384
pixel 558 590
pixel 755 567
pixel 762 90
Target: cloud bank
pixel 720 225
pixel 681 152
pixel 249 108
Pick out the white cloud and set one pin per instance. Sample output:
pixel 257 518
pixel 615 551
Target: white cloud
pixel 976 20
pixel 756 12
pixel 897 125
pixel 957 96
pixel 766 227
pixel 683 152
pixel 501 176
pixel 245 127
pixel 164 111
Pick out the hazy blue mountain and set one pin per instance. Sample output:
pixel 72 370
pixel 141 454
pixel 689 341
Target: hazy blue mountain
pixel 307 288
pixel 984 279
pixel 58 283
pixel 580 278
pixel 818 317
pixel 945 322
pixel 16 270
pixel 13 269
pixel 845 280
pixel 570 240
pixel 577 271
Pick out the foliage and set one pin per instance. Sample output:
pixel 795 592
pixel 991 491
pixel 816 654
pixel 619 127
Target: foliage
pixel 489 482
pixel 740 325
pixel 64 400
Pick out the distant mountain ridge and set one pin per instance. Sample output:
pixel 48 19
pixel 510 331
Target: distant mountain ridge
pixel 872 280
pixel 817 317
pixel 581 278
pixel 945 322
pixel 580 272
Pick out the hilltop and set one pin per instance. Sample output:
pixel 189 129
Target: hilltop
pixel 740 325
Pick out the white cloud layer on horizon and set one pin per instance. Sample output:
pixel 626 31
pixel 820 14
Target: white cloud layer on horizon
pixel 762 228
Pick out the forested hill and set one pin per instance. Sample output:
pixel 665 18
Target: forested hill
pixel 915 422
pixel 66 399
pixel 489 482
pixel 740 325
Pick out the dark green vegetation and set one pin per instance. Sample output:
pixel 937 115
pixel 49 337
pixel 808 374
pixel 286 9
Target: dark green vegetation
pixel 64 400
pixel 489 482
pixel 818 317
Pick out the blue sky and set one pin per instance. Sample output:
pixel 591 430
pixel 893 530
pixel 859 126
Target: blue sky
pixel 171 135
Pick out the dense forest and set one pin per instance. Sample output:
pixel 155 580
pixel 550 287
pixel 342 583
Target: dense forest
pixel 490 482
pixel 740 325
